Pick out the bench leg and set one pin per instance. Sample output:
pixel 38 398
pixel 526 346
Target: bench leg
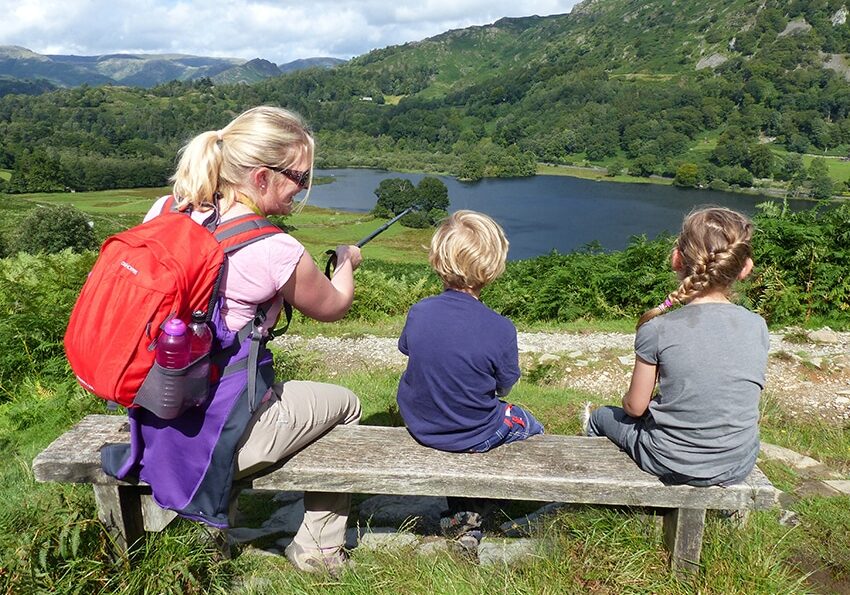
pixel 155 518
pixel 683 529
pixel 119 508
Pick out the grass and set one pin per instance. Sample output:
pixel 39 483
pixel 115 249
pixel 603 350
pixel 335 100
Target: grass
pixel 50 542
pixel 131 201
pixel 318 229
pixel 322 229
pixel 837 167
pixel 593 173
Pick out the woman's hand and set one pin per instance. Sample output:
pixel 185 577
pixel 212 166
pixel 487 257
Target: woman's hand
pixel 350 253
pixel 312 294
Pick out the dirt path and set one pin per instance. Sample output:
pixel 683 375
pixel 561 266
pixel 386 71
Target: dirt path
pixel 808 373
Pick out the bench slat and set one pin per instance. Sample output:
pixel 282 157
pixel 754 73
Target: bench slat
pixel 382 460
pixel 368 459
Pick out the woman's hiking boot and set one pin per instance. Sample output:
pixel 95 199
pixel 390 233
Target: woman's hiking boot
pixel 333 561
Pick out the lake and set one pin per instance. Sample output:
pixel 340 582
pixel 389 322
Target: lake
pixel 545 213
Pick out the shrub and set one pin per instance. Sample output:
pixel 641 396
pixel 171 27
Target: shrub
pixel 37 294
pixel 687 174
pixel 49 230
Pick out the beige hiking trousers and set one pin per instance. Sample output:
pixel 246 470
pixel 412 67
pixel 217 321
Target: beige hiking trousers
pixel 294 414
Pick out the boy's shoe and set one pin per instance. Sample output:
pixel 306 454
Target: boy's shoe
pixel 467 544
pixel 584 418
pixel 460 523
pixel 333 562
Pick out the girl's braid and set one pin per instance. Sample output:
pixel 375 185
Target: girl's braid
pixel 714 246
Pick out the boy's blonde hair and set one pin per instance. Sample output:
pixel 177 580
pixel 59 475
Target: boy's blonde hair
pixel 219 161
pixel 714 247
pixel 468 250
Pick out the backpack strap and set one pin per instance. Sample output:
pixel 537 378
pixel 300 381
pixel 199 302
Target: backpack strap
pixel 241 231
pixel 169 205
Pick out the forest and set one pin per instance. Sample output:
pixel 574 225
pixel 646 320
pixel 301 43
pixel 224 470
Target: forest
pixel 616 85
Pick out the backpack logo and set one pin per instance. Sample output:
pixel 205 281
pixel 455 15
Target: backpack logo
pixel 129 267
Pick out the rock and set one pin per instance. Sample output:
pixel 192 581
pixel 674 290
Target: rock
pixel 789 518
pixel 548 358
pixel 712 61
pixel 282 497
pixel 824 335
pixel 582 363
pixel 798 25
pixel 432 546
pixel 809 466
pixel 382 539
pixel 575 353
pixel 818 488
pixel 626 360
pixel 839 485
pixel 505 551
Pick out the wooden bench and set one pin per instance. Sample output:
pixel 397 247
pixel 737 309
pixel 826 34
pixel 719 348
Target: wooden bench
pixel 384 460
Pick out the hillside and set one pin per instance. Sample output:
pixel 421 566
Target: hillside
pixel 730 94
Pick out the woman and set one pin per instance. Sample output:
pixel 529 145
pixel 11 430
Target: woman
pixel 256 164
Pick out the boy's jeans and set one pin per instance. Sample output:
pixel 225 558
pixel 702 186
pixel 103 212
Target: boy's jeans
pixel 518 424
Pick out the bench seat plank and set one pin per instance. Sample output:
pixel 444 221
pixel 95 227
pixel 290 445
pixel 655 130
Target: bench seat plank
pixel 368 459
pixel 383 460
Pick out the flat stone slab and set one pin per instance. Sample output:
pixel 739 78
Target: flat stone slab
pixel 811 467
pixel 506 551
pixel 840 485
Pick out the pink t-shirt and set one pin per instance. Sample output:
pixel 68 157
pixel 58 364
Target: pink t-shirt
pixel 254 274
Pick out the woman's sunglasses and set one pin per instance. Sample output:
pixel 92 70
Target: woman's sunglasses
pixel 302 178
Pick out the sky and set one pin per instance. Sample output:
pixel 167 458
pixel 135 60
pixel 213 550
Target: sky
pixel 276 31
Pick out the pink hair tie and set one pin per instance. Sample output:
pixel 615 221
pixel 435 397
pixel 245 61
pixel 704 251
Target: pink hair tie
pixel 665 304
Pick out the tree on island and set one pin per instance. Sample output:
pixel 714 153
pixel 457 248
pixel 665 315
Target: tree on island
pixel 430 196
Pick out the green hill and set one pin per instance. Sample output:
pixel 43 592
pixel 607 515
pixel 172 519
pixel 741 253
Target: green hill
pixel 725 94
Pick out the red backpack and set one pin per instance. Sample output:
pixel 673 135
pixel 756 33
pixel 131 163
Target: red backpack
pixel 169 266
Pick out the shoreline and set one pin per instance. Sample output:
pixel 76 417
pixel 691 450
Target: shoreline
pixel 598 174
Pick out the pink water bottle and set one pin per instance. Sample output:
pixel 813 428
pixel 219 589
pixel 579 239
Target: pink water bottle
pixel 172 346
pixel 200 336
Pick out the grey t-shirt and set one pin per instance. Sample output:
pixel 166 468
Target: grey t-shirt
pixel 712 359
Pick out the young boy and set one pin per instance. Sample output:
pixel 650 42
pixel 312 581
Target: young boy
pixel 462 357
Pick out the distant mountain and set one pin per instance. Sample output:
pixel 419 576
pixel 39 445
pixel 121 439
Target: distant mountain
pixel 310 63
pixel 138 70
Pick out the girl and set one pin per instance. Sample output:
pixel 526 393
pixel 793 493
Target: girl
pixel 708 358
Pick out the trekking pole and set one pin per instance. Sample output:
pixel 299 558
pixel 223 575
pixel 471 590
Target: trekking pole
pixel 331 264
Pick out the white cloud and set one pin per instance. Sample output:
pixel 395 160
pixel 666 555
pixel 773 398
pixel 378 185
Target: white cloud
pixel 277 31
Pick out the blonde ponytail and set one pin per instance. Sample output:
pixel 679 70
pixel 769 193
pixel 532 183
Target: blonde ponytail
pixel 216 163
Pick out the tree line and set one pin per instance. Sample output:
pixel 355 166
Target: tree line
pixel 751 117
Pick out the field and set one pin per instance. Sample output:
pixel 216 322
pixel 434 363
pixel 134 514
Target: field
pixel 318 229
pixel 51 542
